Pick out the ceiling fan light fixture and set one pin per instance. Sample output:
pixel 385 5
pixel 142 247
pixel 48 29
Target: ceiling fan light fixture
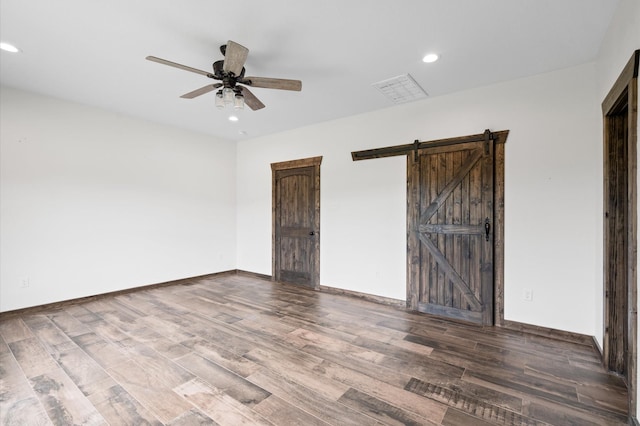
pixel 219 100
pixel 227 95
pixel 238 102
pixel 430 58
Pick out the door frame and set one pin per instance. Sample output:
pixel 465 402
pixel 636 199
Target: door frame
pixel 295 164
pixel 623 94
pixel 499 139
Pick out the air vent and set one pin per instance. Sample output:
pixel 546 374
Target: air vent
pixel 401 89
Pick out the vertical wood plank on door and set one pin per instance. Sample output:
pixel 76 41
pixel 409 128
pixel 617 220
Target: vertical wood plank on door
pixel 414 290
pixel 441 164
pixel 498 233
pixel 456 219
pixel 432 192
pixel 465 248
pixel 485 291
pixel 475 217
pixel 448 249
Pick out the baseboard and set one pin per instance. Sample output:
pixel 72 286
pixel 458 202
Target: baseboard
pixel 598 349
pixel 537 330
pixel 365 296
pixel 334 290
pixel 551 333
pixel 69 302
pixel 254 275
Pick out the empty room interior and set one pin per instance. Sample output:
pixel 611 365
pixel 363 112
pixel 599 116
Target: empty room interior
pixel 333 213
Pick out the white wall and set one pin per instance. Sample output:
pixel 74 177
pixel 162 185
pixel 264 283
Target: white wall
pixel 620 41
pixel 553 192
pixel 93 202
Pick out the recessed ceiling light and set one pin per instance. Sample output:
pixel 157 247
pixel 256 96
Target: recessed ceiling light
pixel 431 57
pixel 8 47
pixel 233 118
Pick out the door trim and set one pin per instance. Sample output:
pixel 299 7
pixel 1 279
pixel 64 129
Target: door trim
pixel 624 93
pixel 294 164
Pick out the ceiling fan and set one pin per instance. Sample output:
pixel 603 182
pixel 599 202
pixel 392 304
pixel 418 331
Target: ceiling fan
pixel 230 71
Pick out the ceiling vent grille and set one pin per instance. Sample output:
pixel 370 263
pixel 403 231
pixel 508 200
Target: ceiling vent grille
pixel 401 89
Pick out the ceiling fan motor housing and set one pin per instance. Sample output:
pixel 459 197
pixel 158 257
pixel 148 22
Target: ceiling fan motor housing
pixel 229 79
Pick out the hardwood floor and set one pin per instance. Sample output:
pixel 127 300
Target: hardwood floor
pixel 237 350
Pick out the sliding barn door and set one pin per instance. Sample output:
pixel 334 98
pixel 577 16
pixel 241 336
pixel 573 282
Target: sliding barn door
pixel 450 231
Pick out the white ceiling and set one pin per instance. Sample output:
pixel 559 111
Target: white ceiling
pixel 93 51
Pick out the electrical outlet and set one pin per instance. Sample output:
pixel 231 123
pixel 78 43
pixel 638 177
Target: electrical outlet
pixel 527 295
pixel 24 282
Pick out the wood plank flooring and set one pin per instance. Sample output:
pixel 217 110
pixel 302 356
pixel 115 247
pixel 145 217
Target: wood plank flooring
pixel 238 350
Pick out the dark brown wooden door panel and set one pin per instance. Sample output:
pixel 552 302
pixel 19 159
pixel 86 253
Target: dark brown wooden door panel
pixel 616 251
pixel 450 242
pixel 620 140
pixel 296 222
pixel 295 194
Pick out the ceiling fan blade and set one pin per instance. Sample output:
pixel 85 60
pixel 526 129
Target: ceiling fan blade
pixel 235 57
pixel 250 99
pixel 201 91
pixel 177 65
pixel 273 83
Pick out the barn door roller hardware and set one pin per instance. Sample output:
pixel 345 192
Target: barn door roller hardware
pixel 392 151
pixel 488 136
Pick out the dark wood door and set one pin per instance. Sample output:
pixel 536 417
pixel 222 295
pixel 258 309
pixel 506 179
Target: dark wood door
pixel 616 249
pixel 296 222
pixel 450 231
pixel 620 114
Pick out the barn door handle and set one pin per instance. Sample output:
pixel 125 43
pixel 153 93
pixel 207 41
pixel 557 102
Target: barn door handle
pixel 487 229
pixel 312 233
